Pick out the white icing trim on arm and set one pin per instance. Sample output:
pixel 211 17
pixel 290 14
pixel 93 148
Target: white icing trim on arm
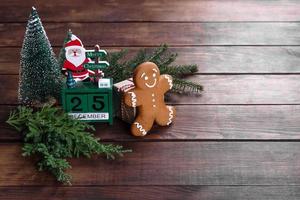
pixel 170 115
pixel 140 128
pixel 133 98
pixel 169 81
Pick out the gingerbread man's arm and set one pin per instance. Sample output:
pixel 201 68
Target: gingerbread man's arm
pixel 165 82
pixel 131 98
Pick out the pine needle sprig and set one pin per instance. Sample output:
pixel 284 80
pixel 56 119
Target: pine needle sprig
pixel 54 137
pixel 179 70
pixel 158 52
pixel 18 118
pixel 181 86
pixel 169 59
pixel 117 68
pixel 120 70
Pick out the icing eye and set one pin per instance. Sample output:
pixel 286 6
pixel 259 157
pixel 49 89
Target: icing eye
pixel 146 77
pixel 154 75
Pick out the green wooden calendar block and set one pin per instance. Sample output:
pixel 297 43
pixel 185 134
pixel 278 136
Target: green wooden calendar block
pixel 89 103
pixel 98 102
pixel 76 102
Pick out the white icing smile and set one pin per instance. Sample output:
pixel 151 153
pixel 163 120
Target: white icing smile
pixel 151 86
pixel 146 78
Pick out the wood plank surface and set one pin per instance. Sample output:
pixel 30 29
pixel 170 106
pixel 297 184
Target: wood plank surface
pixel 153 34
pixel 170 163
pixel 219 89
pixel 155 10
pixel 217 59
pixel 279 122
pixel 152 192
pixel 238 140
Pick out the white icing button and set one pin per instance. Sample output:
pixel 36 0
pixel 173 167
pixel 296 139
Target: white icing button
pixel 153 100
pixel 153 94
pixel 154 106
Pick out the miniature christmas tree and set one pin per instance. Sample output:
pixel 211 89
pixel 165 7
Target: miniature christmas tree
pixel 40 77
pixel 70 80
pixel 62 53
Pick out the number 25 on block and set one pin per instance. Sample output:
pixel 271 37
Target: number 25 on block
pixel 88 106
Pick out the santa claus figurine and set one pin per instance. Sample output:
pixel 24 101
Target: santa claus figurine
pixel 75 58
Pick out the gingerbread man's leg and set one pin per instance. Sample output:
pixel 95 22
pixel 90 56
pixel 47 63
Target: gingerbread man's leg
pixel 165 115
pixel 142 124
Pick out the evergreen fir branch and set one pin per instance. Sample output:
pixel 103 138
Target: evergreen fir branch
pixel 179 70
pixel 168 59
pixel 54 137
pixel 157 53
pixel 116 68
pixel 161 56
pixel 18 118
pixel 182 86
pixel 140 57
pixel 120 70
pixel 131 64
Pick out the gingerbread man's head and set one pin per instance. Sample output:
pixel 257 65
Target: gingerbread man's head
pixel 146 76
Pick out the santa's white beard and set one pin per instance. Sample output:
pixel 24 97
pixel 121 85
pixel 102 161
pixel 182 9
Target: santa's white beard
pixel 78 59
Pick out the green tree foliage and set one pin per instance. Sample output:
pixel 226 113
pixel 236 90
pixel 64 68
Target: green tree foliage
pixel 71 83
pixel 39 70
pixel 62 53
pixel 54 136
pixel 122 68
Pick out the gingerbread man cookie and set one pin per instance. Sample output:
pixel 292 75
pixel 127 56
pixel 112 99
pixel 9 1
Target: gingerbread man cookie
pixel 148 97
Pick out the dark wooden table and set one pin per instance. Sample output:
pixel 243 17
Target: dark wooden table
pixel 239 140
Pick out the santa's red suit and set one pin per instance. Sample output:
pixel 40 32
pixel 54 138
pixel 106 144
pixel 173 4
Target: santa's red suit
pixel 79 73
pixel 75 59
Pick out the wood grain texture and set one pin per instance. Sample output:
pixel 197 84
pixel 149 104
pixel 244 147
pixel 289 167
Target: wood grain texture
pixel 238 140
pixel 170 163
pixel 218 59
pixel 152 192
pixel 210 123
pixel 219 89
pixel 153 34
pixel 155 10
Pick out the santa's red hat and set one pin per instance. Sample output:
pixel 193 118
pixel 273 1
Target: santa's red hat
pixel 75 41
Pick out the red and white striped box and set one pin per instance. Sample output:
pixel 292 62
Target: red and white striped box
pixel 123 111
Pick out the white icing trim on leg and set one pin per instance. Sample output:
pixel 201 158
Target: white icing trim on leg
pixel 140 127
pixel 169 81
pixel 170 115
pixel 133 98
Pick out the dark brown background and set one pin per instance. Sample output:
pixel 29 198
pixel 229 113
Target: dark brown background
pixel 239 140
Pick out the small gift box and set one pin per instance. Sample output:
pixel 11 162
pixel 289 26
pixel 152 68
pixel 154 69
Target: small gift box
pixel 123 111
